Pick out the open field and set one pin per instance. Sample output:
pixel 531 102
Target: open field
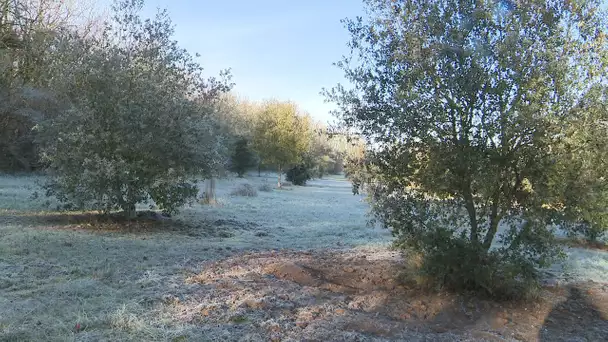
pixel 287 265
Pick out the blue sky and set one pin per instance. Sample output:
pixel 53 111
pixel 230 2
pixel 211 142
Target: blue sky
pixel 276 48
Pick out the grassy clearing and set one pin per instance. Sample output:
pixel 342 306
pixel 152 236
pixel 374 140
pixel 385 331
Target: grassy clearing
pixel 70 277
pixel 59 270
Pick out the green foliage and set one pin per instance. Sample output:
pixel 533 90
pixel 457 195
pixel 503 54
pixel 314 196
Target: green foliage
pixel 237 115
pixel 431 228
pixel 243 158
pixel 299 174
pixel 26 37
pixel 139 125
pixel 236 119
pixel 281 135
pixel 464 104
pixel 578 179
pixel 324 165
pixel 21 109
pixel 458 266
pixel 303 171
pixel 329 151
pixel 357 170
pixel 242 119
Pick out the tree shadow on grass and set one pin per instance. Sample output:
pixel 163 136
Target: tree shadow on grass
pixel 578 318
pixel 329 186
pixel 93 222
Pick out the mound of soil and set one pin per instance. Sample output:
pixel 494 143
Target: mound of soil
pixel 353 295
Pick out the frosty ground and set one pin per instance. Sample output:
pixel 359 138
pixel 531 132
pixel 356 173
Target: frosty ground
pixel 287 265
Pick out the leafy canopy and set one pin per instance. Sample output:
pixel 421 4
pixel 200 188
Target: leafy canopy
pixel 281 134
pixel 242 158
pixel 465 103
pixel 139 124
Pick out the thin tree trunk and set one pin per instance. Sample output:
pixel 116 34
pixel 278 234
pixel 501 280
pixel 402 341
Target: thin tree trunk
pixel 470 205
pixel 210 191
pixel 279 184
pixel 129 211
pixel 494 221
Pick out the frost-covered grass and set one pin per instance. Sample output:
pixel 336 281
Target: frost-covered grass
pixel 23 193
pixel 323 214
pixel 580 264
pixel 57 271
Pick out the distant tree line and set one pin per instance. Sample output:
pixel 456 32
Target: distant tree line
pixel 278 135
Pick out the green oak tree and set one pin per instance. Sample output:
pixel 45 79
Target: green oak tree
pixel 139 125
pixel 464 104
pixel 242 157
pixel 281 135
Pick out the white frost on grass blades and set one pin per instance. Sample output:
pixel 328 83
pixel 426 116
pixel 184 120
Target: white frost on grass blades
pixel 324 213
pixel 23 193
pixel 580 264
pixel 51 279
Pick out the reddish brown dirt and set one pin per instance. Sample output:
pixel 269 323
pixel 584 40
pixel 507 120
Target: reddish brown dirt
pixel 146 222
pixel 580 243
pixel 329 295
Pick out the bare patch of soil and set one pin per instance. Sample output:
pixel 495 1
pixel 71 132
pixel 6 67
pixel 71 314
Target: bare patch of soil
pixel 353 295
pixel 582 243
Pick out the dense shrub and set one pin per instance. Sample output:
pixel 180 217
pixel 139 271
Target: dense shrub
pixel 243 157
pixel 298 174
pixel 469 109
pixel 436 231
pixel 139 126
pixel 458 265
